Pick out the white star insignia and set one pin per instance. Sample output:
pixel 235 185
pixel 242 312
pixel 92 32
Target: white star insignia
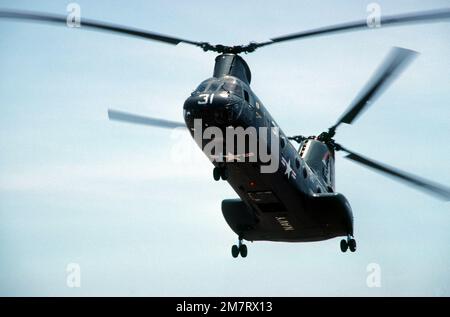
pixel 288 169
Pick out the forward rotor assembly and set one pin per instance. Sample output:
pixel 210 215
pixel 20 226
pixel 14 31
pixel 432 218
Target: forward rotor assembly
pixel 390 20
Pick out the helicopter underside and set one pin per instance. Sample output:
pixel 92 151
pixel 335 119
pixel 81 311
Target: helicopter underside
pixel 271 209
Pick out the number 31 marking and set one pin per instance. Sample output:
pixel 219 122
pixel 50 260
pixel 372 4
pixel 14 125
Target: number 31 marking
pixel 206 98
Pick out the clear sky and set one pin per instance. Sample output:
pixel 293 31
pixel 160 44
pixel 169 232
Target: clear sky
pixel 137 208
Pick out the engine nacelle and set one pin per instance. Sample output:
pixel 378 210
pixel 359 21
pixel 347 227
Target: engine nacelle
pixel 320 158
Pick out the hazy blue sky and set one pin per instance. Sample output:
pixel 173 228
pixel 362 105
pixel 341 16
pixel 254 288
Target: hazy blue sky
pixel 118 199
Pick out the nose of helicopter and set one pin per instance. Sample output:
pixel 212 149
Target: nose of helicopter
pixel 217 109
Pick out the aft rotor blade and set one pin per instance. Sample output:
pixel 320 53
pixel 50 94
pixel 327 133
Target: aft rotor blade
pixel 137 119
pixel 62 20
pixel 391 67
pixel 389 20
pixel 427 186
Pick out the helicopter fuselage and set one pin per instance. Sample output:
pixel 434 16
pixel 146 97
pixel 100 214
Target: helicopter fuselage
pixel 296 202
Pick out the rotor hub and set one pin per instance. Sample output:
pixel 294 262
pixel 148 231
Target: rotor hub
pixel 224 49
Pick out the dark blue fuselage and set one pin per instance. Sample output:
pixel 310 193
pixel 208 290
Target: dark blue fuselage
pixel 295 203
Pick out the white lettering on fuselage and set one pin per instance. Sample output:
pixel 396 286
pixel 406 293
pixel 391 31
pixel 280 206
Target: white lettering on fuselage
pixel 284 223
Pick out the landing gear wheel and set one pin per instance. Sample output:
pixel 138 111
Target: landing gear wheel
pixel 235 251
pixel 344 245
pixel 243 250
pixel 224 173
pixel 352 244
pixel 217 173
pixel 220 172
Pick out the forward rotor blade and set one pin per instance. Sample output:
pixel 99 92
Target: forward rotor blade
pixel 390 20
pixel 427 186
pixel 62 20
pixel 137 119
pixel 391 67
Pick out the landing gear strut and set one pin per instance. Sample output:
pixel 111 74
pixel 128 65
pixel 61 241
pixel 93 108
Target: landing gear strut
pixel 239 249
pixel 220 172
pixel 350 243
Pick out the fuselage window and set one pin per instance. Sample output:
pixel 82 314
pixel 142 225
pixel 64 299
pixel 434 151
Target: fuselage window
pixel 297 163
pixel 305 173
pixel 246 96
pixel 282 142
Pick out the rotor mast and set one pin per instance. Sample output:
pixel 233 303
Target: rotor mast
pixel 232 65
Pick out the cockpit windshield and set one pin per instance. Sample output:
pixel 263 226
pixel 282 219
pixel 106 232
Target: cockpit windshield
pixel 213 84
pixel 233 87
pixel 202 87
pixel 210 85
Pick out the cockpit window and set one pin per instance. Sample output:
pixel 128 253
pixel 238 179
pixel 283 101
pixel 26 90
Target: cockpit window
pixel 202 87
pixel 213 86
pixel 233 87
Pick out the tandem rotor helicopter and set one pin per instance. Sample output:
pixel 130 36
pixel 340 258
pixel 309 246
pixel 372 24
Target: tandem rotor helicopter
pixel 298 202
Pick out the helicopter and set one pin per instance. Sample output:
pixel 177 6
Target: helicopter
pixel 298 201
